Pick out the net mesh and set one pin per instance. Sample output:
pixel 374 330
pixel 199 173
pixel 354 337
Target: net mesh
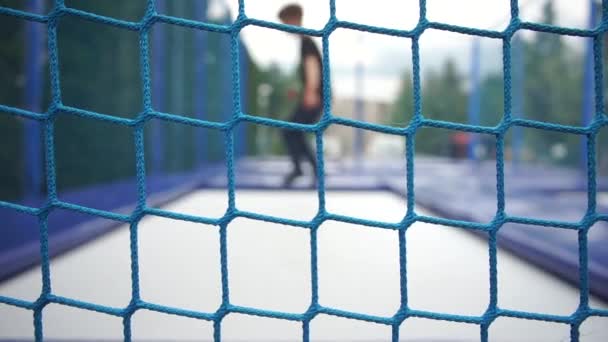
pixel 228 128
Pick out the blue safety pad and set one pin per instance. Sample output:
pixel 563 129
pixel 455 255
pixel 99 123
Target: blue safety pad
pixel 20 242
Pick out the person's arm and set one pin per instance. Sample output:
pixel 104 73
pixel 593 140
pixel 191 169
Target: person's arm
pixel 312 68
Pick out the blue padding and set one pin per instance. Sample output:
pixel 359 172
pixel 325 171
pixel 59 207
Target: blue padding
pixel 531 191
pixel 68 228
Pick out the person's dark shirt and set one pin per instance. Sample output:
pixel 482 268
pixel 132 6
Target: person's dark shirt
pixel 309 48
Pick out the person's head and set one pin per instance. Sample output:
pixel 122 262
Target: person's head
pixel 291 15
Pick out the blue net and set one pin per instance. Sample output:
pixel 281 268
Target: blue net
pixel 239 117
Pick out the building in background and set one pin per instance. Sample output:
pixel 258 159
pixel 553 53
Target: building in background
pixel 376 145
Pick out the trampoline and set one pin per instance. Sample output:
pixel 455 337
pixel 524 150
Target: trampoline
pixel 270 268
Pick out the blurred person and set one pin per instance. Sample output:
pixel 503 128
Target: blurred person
pixel 310 100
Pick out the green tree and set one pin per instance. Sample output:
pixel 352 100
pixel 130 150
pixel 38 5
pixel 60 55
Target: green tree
pixel 402 109
pixel 492 99
pixel 552 80
pixel 444 98
pixel 552 83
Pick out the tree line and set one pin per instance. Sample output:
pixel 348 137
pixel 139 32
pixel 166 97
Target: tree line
pixel 552 89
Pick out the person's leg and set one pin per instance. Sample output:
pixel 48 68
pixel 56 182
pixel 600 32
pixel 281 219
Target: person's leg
pixel 297 145
pixel 311 116
pixel 309 154
pixel 291 138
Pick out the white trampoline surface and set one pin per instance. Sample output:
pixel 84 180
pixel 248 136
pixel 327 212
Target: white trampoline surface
pixel 269 268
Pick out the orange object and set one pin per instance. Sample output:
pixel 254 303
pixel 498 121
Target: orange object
pixel 292 94
pixel 460 138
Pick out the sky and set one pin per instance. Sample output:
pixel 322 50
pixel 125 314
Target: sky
pixel 387 58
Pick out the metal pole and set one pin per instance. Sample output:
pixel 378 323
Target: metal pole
pixel 225 58
pixel 158 90
pixel 474 98
pixel 588 87
pixel 177 65
pixel 241 148
pixel 359 110
pixel 34 59
pixel 517 98
pixel 200 82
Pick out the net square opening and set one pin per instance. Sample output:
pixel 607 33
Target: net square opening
pixel 238 327
pixel 102 253
pixel 402 15
pixel 105 54
pixel 272 165
pixel 180 158
pixel 420 329
pixel 150 325
pixel 128 10
pixel 377 206
pixel 364 160
pixel 594 329
pixel 371 77
pixel 20 249
pixel 455 174
pixel 545 174
pixel 179 264
pixel 22 175
pixel 437 280
pixel 24 72
pixel 268 170
pixel 95 163
pixel 215 12
pixel 539 246
pixel 19 326
pixel 549 82
pixel 269 265
pixel 331 328
pixel 278 92
pixel 528 330
pixel 191 72
pixel 466 73
pixel 358 268
pixel 466 13
pixel 315 13
pixel 303 205
pixel 559 12
pixel 64 322
pixel 597 254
